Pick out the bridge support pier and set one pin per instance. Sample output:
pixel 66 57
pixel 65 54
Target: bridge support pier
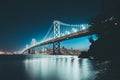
pixel 56 48
pixel 31 51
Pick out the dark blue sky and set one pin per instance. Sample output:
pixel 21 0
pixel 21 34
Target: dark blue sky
pixel 22 20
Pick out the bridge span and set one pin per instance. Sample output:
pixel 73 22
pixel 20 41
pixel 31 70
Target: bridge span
pixel 56 34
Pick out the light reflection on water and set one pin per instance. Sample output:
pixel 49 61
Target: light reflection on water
pixel 50 67
pixel 59 68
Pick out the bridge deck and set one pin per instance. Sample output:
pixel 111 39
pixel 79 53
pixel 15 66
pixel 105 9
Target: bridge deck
pixel 67 37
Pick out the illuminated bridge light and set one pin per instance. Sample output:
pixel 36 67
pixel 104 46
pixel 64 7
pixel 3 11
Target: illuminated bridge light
pixel 26 46
pixel 67 32
pixel 33 41
pixel 63 34
pixel 83 27
pixel 74 30
pixel 116 23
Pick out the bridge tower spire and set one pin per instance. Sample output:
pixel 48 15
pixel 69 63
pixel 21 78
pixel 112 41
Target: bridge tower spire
pixel 56 45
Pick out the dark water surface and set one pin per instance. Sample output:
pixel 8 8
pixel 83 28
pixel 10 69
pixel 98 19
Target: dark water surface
pixel 50 67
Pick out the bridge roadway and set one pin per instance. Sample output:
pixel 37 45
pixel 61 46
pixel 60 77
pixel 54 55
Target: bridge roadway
pixel 66 37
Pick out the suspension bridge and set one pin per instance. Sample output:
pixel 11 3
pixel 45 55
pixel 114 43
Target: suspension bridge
pixel 57 33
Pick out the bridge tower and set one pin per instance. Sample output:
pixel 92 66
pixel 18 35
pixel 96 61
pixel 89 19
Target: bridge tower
pixel 56 45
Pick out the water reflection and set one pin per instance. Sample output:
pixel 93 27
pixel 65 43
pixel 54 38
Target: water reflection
pixel 48 67
pixel 59 68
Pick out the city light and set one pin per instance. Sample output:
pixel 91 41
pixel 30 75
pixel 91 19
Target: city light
pixel 1 52
pixel 63 34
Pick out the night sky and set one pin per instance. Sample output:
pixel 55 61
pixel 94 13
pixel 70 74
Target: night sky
pixel 22 20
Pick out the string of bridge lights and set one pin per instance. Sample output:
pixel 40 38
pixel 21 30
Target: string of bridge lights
pixel 63 32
